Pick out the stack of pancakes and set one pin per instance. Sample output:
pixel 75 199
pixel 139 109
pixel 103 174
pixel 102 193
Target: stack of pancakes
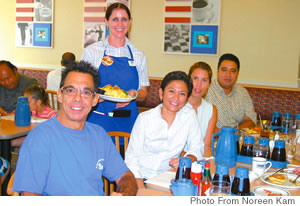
pixel 278 179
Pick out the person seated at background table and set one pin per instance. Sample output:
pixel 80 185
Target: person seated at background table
pixel 12 85
pixel 200 74
pixel 233 102
pixel 38 104
pixel 163 134
pixel 54 77
pixel 66 155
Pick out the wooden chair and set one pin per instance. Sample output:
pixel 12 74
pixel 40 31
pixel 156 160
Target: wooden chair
pixel 109 187
pixel 9 189
pixel 53 101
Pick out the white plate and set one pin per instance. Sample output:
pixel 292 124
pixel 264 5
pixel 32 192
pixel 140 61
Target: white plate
pixel 115 99
pixel 287 184
pixel 270 191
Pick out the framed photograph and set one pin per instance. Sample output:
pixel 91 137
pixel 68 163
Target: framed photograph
pixel 24 34
pixel 34 23
pixel 177 38
pixel 204 39
pixel 191 26
pixel 93 32
pixel 42 35
pixel 43 10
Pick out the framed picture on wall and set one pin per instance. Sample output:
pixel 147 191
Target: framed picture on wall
pixel 42 35
pixel 34 23
pixel 191 26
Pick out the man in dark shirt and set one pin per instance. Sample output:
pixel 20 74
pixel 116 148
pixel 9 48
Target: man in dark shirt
pixel 12 85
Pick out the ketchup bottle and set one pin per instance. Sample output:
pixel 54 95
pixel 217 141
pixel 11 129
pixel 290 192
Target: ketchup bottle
pixel 196 175
pixel 205 186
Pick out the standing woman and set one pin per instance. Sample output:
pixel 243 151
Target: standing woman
pixel 200 74
pixel 119 63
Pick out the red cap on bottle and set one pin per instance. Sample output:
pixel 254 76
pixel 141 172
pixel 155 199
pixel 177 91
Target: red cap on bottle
pixel 207 165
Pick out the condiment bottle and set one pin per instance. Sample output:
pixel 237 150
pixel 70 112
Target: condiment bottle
pixel 202 163
pixel 279 153
pixel 241 184
pixel 264 143
pixel 286 123
pixel 196 175
pixel 247 147
pixel 184 168
pixel 222 173
pixel 297 141
pixel 296 124
pixel 205 184
pixel 276 121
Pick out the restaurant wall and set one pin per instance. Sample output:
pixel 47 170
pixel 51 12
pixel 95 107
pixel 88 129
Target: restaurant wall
pixel 67 35
pixel 264 34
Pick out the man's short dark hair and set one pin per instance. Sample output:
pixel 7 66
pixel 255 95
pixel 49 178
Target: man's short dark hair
pixel 177 75
pixel 81 67
pixel 67 58
pixel 10 65
pixel 230 57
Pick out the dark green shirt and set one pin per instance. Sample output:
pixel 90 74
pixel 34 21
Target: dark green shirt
pixel 9 98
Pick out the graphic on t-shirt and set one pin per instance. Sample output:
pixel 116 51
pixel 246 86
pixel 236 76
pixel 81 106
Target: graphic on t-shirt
pixel 99 165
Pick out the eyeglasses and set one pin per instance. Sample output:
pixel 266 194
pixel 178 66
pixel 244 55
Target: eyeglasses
pixel 84 92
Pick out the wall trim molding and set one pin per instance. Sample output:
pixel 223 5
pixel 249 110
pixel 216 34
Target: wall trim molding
pixel 37 66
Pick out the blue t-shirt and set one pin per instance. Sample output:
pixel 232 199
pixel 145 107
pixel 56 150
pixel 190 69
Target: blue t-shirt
pixel 56 160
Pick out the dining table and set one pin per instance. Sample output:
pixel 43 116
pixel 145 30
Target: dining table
pixel 8 131
pixel 155 187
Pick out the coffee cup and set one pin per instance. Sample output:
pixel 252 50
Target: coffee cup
pixel 259 165
pixel 200 9
pixel 45 14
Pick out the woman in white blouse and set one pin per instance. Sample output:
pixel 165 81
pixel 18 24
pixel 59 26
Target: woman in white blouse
pixel 201 74
pixel 163 134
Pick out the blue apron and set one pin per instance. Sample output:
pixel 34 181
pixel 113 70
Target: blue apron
pixel 122 72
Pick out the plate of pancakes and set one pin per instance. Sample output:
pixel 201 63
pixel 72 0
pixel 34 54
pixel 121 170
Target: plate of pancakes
pixel 115 94
pixel 283 180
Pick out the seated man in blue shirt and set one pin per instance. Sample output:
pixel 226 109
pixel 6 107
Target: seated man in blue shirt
pixel 66 155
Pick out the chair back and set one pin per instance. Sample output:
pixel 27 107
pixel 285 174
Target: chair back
pixel 109 187
pixel 53 101
pixel 117 135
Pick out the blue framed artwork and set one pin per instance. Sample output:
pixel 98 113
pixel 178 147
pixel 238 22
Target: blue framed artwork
pixel 192 27
pixel 204 39
pixel 42 34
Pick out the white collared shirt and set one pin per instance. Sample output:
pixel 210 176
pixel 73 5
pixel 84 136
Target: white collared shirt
pixel 94 53
pixel 152 144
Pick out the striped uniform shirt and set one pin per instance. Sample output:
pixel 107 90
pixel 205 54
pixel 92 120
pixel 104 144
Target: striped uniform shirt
pixel 233 107
pixel 94 53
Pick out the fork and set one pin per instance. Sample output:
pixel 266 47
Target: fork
pixel 295 180
pixel 267 178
